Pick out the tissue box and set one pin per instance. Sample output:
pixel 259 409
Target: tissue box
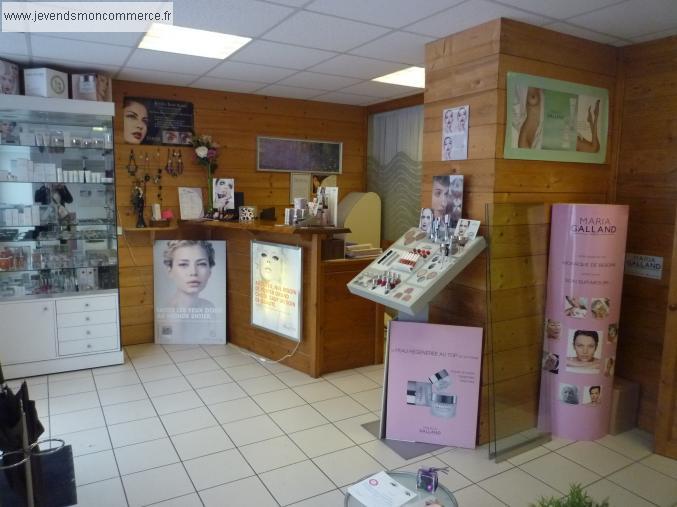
pixel 45 82
pixel 9 78
pixel 91 87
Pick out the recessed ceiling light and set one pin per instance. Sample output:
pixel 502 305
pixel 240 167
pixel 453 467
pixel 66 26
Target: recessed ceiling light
pixel 188 41
pixel 412 76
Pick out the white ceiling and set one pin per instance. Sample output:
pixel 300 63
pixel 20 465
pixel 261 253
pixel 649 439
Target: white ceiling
pixel 328 50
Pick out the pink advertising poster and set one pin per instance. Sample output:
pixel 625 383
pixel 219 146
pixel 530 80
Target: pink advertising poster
pixel 585 277
pixel 433 383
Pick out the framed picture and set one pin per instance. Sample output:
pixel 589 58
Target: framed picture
pixel 276 288
pixel 298 155
pixel 157 121
pixel 299 186
pixel 223 193
pixel 190 291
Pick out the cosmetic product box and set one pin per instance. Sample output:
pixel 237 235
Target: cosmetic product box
pixel 46 82
pixel 91 86
pixel 624 406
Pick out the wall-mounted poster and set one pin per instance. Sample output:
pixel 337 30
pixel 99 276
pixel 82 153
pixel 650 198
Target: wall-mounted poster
pixel 190 291
pixel 299 186
pixel 447 197
pixel 276 288
pixel 455 133
pixel 555 120
pixel 157 121
pixel 298 155
pixel 223 193
pixel 433 383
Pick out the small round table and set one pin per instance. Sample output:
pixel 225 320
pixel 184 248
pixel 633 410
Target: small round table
pixel 408 480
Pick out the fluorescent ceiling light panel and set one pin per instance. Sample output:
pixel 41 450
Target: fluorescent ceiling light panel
pixel 412 76
pixel 188 41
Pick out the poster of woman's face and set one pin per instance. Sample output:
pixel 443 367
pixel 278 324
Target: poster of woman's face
pixel 157 121
pixel 447 197
pixel 426 219
pixel 612 337
pixel 553 329
pixel 551 362
pixel 576 307
pixel 224 193
pixel 568 393
pixel 190 291
pixel 467 229
pixel 276 288
pixel 584 351
pixel 599 307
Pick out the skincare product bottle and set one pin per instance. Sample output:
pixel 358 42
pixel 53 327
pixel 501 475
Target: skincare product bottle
pixel 444 405
pixel 419 393
pixel 440 380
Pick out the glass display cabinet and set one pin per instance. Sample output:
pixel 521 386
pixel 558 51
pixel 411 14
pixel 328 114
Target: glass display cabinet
pixel 58 243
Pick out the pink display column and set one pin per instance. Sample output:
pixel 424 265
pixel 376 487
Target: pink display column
pixel 585 278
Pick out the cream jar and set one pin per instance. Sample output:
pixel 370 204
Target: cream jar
pixel 444 405
pixel 419 393
pixel 440 380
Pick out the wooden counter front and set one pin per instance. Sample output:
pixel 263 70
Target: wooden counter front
pixel 339 330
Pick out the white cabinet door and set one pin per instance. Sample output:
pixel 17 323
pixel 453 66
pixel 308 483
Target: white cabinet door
pixel 27 331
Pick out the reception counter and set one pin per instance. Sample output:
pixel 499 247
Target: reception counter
pixel 339 330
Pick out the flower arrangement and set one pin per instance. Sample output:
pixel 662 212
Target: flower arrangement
pixel 206 153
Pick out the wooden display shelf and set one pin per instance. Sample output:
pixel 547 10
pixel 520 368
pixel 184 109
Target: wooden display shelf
pixel 265 226
pixel 151 230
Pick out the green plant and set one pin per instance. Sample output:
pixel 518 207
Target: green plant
pixel 576 498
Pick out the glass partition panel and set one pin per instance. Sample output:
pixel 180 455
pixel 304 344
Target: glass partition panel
pixel 517 263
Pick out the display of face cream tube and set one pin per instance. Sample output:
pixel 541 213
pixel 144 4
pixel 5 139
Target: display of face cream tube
pixel 440 380
pixel 419 393
pixel 444 405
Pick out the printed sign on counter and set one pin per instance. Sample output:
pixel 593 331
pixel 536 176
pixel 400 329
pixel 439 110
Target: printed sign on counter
pixel 645 266
pixel 433 383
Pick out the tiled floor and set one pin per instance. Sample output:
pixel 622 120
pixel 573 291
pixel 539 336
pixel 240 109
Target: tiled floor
pixel 208 426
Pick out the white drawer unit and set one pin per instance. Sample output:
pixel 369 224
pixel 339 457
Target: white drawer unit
pixel 88 304
pixel 88 346
pixel 86 318
pixel 66 334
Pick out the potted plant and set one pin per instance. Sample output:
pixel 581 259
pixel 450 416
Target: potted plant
pixel 576 498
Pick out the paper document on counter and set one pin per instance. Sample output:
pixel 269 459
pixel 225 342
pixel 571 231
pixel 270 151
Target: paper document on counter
pixel 380 490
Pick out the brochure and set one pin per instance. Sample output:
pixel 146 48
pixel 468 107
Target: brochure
pixel 380 490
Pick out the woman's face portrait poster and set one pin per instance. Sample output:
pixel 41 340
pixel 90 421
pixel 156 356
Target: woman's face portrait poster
pixel 190 291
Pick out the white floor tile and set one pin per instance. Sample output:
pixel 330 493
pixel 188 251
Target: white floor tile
pixel 36 392
pixel 339 408
pixel 192 500
pixel 662 464
pixel 139 457
pixel 278 400
pixel 596 457
pixel 262 385
pixel 321 440
pixel 347 466
pixel 173 347
pixel 386 456
pixel 276 368
pixel 72 403
pixel 529 455
pixel 151 361
pixel 157 484
pixel 219 468
pixel 228 361
pixel 271 454
pixel 198 366
pixel 235 410
pixel 517 488
pixel 451 480
pixel 371 399
pixel 87 441
pixel 130 411
pixel 192 354
pixel 74 386
pixel 635 444
pixel 167 386
pixel 559 472
pixel 604 489
pixel 135 432
pixel 647 483
pixel 208 378
pixel 69 375
pixel 475 496
pixel 340 373
pixel 176 402
pixel 107 493
pixel 123 378
pixel 158 372
pixel 331 499
pixel 557 443
pixel 247 492
pixel 375 376
pixel 95 467
pixel 188 420
pixel 354 430
pixel 252 430
pixel 295 378
pixel 247 371
pixel 123 394
pixel 354 383
pixel 221 392
pixel 108 370
pixel 143 349
pixel 474 463
pixel 201 442
pixel 318 391
pixel 298 418
pixel 77 421
pixel 296 482
pixel 218 350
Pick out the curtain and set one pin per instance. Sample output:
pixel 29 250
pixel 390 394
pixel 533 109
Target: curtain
pixel 394 167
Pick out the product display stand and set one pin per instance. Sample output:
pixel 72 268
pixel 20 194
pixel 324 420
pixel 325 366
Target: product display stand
pixel 406 278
